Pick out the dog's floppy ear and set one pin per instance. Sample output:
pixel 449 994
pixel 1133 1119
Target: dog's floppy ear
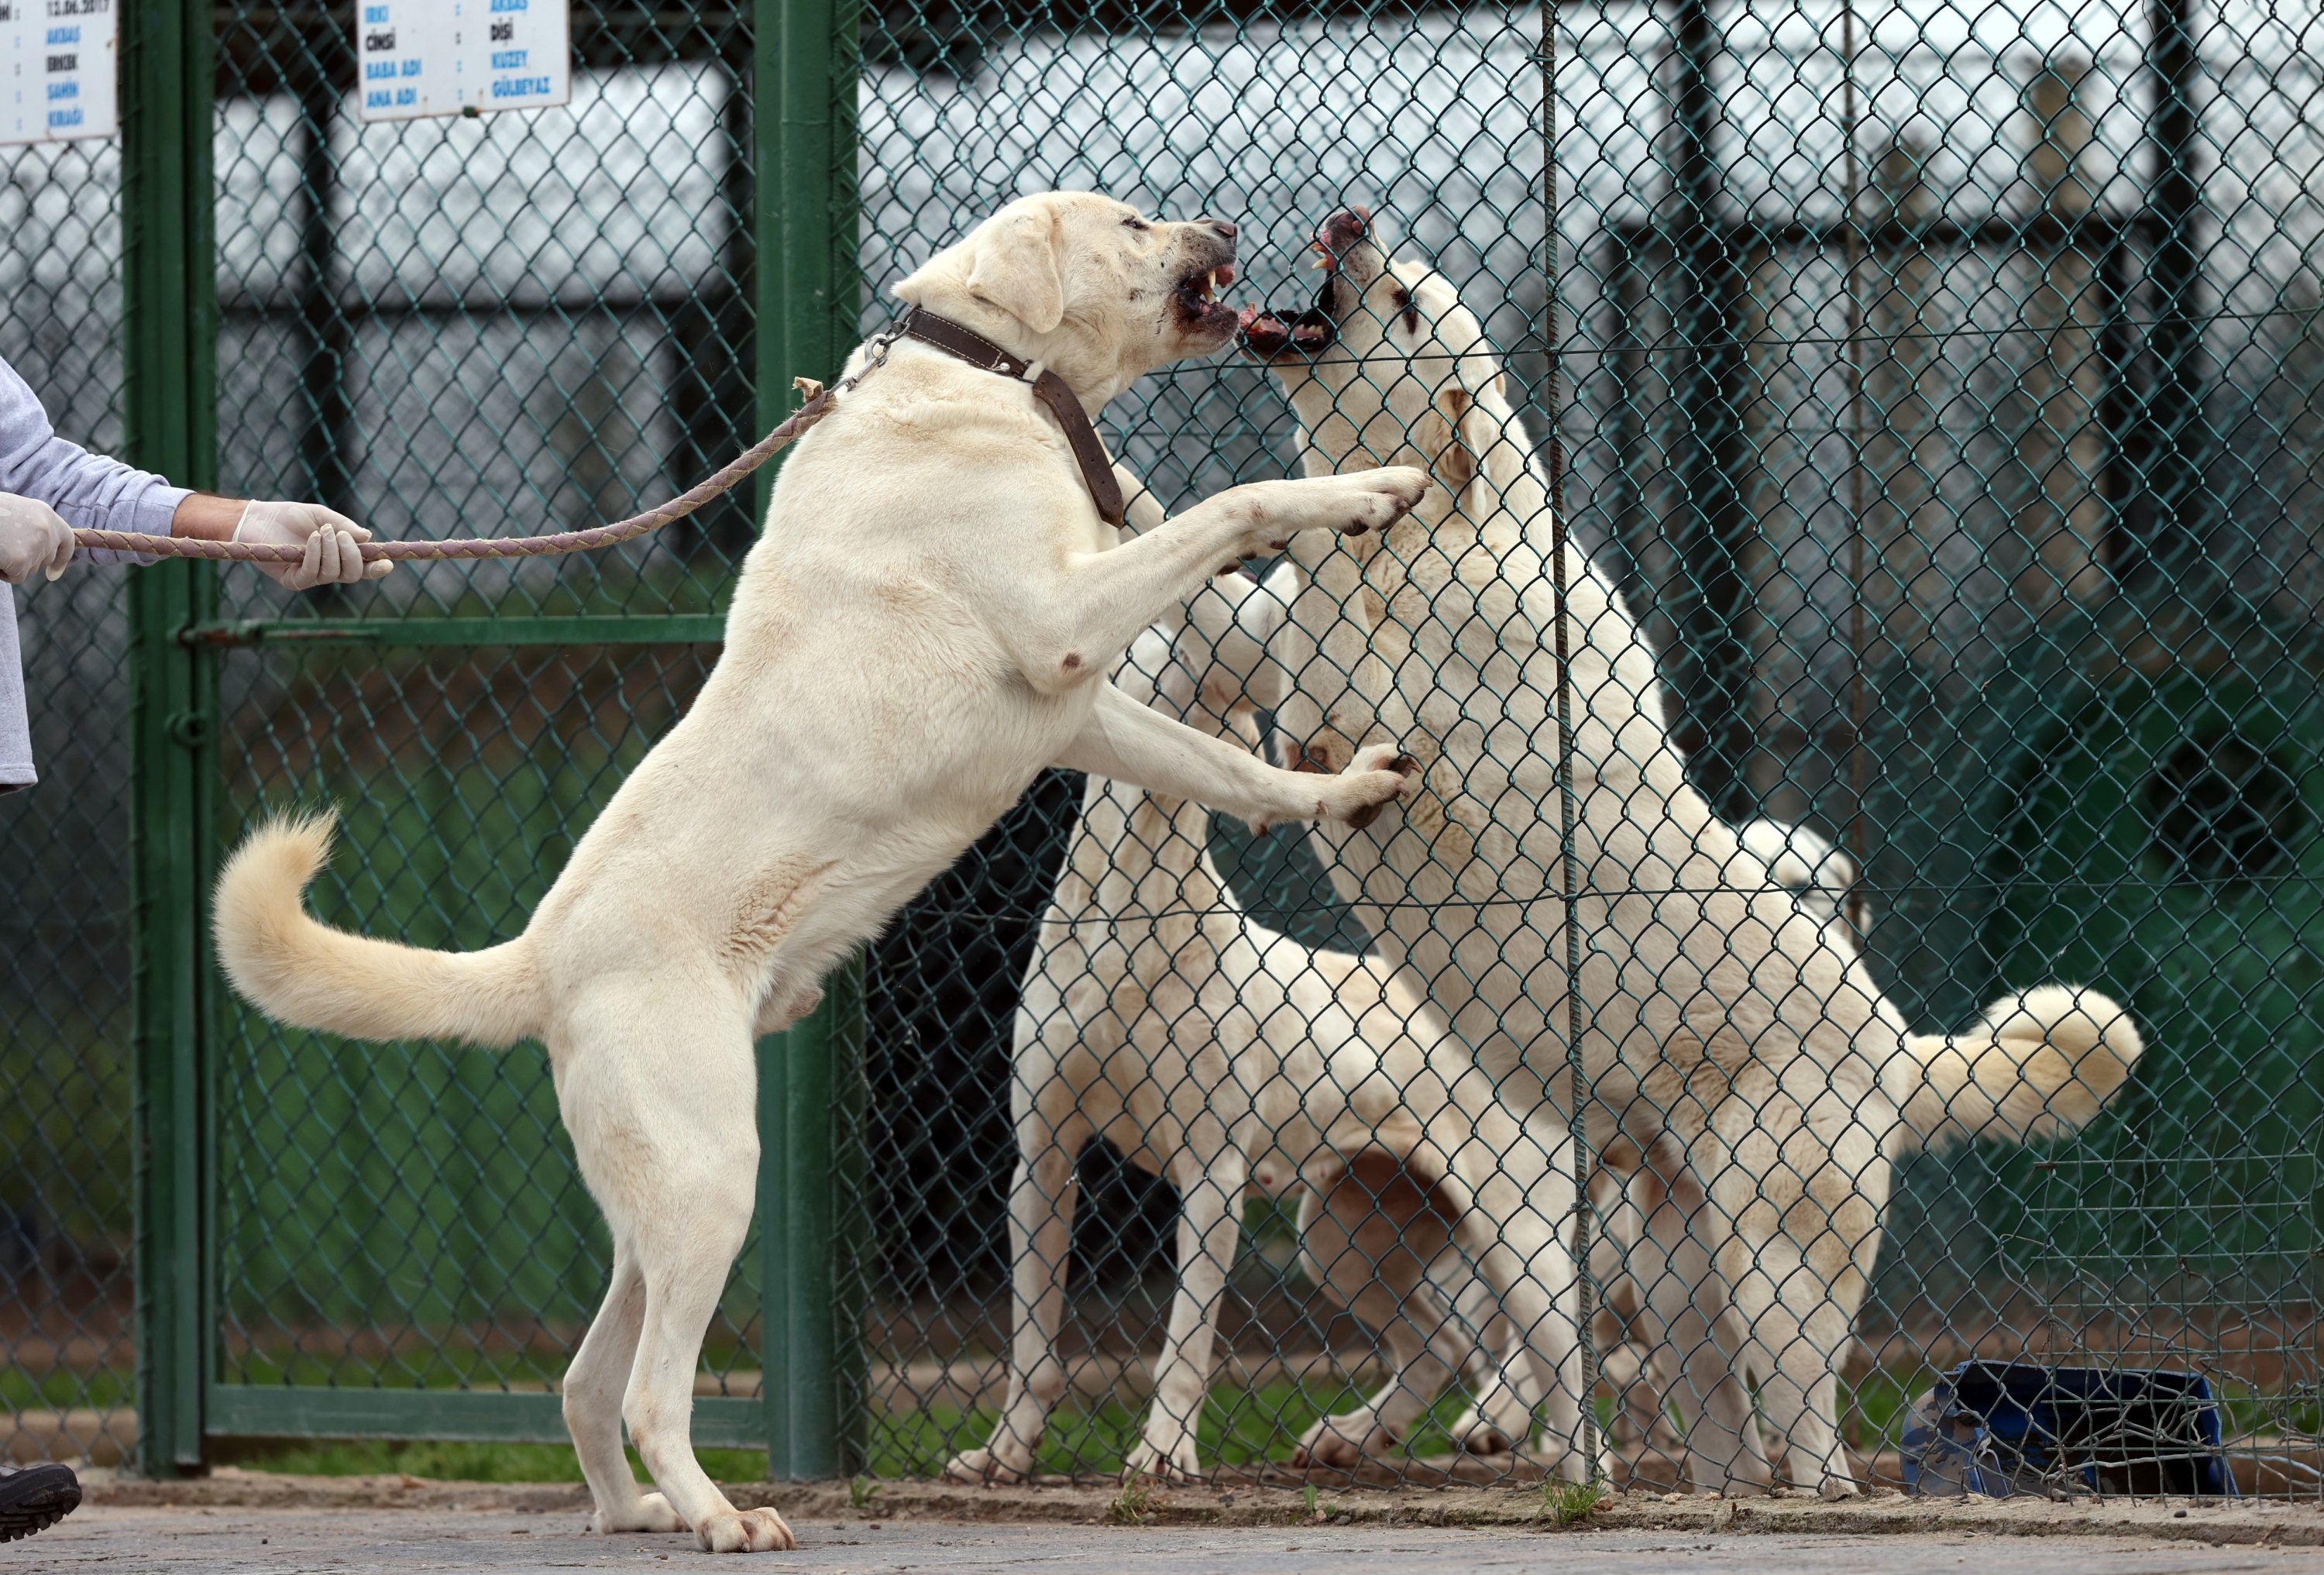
pixel 1016 268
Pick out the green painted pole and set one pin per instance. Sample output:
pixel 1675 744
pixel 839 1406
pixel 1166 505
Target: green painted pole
pixel 170 335
pixel 807 291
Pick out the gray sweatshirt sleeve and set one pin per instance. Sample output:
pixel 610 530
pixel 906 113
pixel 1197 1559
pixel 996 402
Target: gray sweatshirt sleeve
pixel 91 491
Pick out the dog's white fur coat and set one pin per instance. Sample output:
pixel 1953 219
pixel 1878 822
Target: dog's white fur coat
pixel 1219 1053
pixel 924 624
pixel 1728 1038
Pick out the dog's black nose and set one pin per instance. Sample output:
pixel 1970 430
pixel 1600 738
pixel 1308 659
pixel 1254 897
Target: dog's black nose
pixel 1225 227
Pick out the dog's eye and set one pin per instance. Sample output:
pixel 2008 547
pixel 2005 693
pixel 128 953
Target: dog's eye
pixel 1403 298
pixel 1134 223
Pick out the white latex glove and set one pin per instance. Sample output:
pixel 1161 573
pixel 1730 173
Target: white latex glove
pixel 31 537
pixel 330 539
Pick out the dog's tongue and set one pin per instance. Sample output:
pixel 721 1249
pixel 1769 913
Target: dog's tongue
pixel 1264 334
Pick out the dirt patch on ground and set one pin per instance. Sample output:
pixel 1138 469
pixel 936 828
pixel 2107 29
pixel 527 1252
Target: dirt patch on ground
pixel 2214 1521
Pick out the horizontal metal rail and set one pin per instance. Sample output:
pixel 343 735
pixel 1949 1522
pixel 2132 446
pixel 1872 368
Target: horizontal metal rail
pixel 466 1415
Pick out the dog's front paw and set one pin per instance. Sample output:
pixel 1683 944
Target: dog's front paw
pixel 652 1513
pixel 1164 1455
pixel 745 1530
pixel 988 1466
pixel 1343 1442
pixel 1476 1433
pixel 1378 776
pixel 1383 496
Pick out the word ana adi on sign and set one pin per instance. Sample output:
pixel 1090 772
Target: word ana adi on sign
pixel 417 58
pixel 59 78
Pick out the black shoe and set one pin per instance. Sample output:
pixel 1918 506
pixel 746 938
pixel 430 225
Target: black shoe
pixel 35 1498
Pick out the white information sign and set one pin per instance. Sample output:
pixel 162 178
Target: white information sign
pixel 454 57
pixel 59 77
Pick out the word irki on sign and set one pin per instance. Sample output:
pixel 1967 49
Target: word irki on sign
pixel 454 57
pixel 58 70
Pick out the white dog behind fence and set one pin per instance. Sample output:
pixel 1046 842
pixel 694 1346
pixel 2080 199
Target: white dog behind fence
pixel 1220 1055
pixel 1735 1045
pixel 923 625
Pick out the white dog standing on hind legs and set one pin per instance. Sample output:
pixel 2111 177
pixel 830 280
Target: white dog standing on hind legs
pixel 1721 1027
pixel 923 626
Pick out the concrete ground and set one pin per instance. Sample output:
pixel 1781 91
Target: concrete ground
pixel 246 1521
pixel 213 1541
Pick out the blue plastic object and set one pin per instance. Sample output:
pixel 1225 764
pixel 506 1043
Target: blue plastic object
pixel 2009 1428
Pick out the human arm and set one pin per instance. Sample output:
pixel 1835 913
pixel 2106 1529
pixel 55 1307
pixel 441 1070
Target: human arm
pixel 60 479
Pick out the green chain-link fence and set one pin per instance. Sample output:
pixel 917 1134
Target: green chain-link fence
pixel 1938 384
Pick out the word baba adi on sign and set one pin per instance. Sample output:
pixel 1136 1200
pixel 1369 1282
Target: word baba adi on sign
pixel 421 57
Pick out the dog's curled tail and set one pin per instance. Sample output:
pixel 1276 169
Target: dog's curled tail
pixel 2038 1065
pixel 310 975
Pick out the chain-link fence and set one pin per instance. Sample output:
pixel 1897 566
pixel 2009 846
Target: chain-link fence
pixel 1932 393
pixel 1936 387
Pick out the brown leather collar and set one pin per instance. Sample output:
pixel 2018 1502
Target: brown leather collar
pixel 969 345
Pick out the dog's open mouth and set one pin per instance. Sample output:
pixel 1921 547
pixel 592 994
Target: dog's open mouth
pixel 1267 336
pixel 1200 311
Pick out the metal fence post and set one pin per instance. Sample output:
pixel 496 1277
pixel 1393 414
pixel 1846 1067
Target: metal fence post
pixel 807 313
pixel 1710 525
pixel 2173 440
pixel 170 327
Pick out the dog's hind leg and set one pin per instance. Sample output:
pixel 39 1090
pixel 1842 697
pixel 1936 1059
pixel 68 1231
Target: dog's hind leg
pixel 1368 1242
pixel 1209 1194
pixel 1805 1214
pixel 592 1405
pixel 1695 1350
pixel 658 1089
pixel 1040 1240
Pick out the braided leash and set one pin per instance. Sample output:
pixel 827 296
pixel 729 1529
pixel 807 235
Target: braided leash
pixel 725 480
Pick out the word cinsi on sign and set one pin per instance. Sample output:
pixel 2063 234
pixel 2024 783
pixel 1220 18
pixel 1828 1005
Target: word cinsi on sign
pixel 417 58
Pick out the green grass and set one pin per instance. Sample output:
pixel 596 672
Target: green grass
pixel 1239 1427
pixel 441 1367
pixel 1570 1503
pixel 62 1388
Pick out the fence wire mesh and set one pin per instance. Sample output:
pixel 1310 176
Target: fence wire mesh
pixel 1940 400
pixel 484 325
pixel 1935 393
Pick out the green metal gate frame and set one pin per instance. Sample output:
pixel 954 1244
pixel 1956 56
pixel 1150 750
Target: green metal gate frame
pixel 805 295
